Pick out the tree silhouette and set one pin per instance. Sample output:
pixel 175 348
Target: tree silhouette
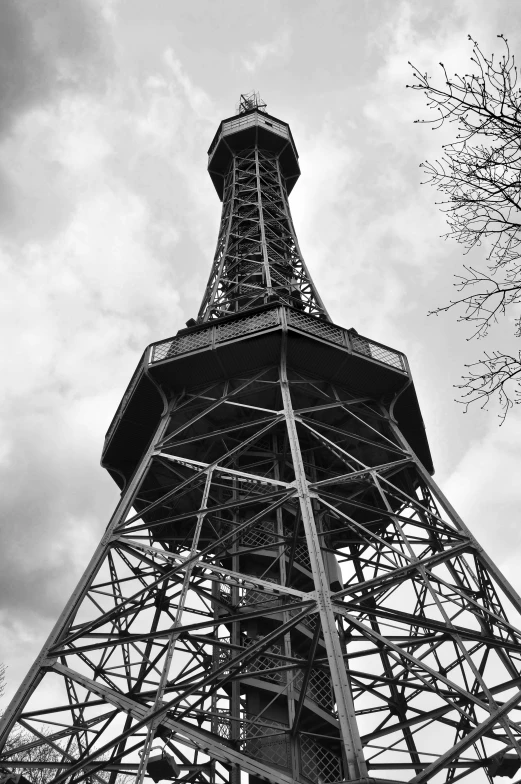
pixel 33 748
pixel 36 746
pixel 479 176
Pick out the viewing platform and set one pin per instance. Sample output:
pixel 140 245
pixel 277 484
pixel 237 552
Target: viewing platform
pixel 244 131
pixel 203 353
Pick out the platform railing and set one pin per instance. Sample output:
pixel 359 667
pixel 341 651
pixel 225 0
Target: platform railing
pixel 223 332
pixel 248 121
pixel 258 322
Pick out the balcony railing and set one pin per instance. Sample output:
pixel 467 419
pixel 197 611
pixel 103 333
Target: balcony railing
pixel 331 333
pixel 215 334
pixel 248 121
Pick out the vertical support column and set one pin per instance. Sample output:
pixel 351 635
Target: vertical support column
pixel 290 675
pixel 264 246
pixel 223 241
pixel 356 767
pixel 235 639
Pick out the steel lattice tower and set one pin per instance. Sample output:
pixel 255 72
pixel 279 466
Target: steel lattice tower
pixel 282 591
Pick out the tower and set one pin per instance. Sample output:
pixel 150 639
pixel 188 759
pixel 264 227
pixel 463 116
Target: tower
pixel 282 591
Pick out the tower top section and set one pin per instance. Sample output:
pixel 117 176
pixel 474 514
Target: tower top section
pixel 252 127
pixel 253 163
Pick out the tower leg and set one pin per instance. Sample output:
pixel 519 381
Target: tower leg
pixel 352 746
pixel 45 659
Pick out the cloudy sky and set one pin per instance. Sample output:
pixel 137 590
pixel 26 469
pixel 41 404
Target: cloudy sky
pixel 108 222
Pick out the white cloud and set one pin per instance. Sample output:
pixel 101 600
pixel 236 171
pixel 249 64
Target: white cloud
pixel 266 52
pixel 91 273
pixel 486 491
pixel 197 99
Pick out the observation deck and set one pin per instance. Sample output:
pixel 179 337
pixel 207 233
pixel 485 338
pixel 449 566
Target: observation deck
pixel 247 130
pixel 201 354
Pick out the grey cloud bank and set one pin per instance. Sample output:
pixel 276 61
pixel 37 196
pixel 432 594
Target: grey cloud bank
pixel 47 48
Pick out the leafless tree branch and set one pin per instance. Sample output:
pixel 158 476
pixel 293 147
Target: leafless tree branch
pixel 39 746
pixel 496 375
pixel 479 177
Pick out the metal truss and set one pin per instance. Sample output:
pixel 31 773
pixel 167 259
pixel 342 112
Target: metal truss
pixel 258 259
pixel 282 591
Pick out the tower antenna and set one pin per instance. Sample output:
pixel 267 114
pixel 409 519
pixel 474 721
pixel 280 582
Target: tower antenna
pixel 249 101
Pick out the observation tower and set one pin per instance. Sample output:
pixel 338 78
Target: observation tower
pixel 283 593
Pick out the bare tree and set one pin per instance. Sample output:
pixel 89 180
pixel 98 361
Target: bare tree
pixel 33 748
pixel 479 175
pixel 42 753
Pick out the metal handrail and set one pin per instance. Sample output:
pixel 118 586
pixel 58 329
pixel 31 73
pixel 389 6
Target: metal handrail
pixel 213 334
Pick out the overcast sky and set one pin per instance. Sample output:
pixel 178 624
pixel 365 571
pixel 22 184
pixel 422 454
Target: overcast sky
pixel 108 222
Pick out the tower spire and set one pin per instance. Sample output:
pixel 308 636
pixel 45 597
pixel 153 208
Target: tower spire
pixel 253 163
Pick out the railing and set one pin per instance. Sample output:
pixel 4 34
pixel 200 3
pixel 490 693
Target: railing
pixel 268 741
pixel 220 333
pixel 318 762
pixel 318 690
pixel 249 121
pixel 258 322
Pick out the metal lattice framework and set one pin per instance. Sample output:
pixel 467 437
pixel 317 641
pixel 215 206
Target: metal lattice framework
pixel 221 534
pixel 283 591
pixel 258 259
